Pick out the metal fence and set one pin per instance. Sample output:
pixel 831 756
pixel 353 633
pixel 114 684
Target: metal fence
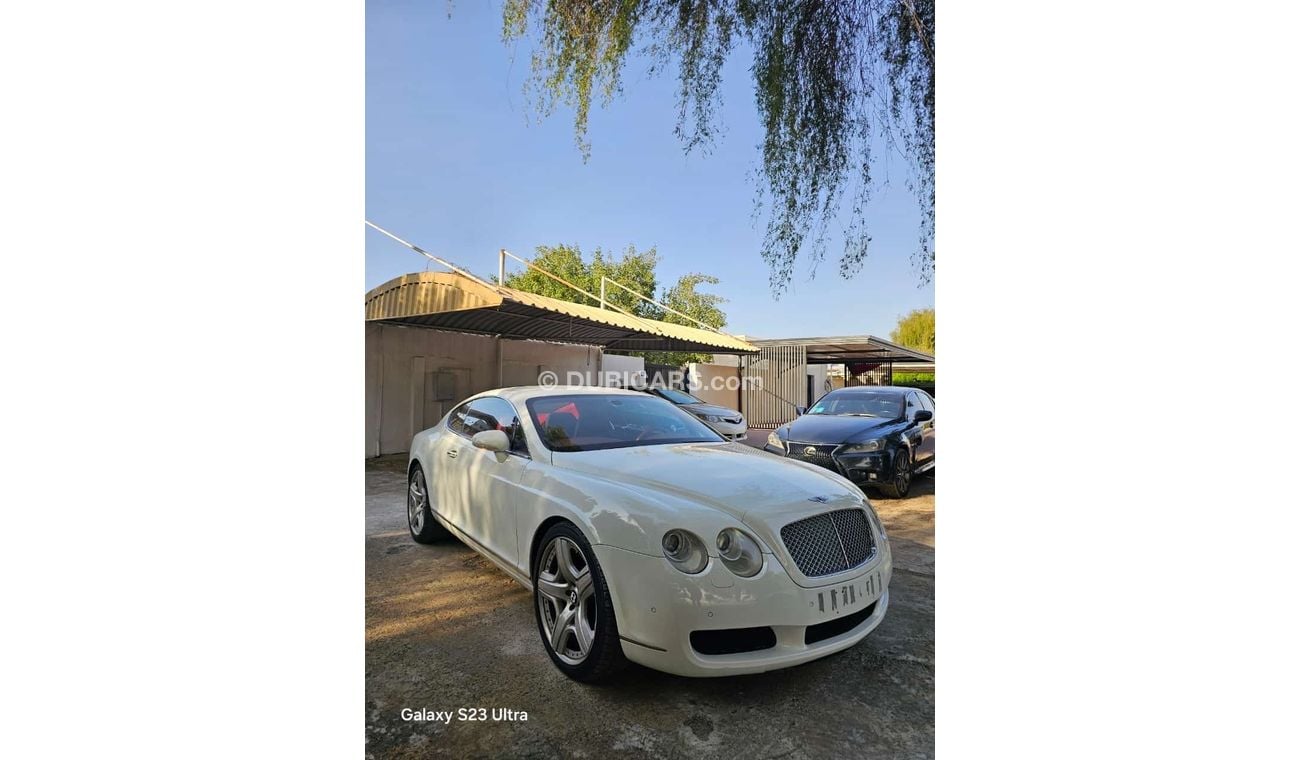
pixel 773 382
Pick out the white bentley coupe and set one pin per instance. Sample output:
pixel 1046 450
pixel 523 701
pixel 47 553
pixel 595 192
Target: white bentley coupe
pixel 645 536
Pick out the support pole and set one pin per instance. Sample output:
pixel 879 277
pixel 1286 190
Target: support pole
pixel 501 267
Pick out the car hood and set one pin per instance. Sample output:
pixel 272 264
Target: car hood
pixel 720 411
pixel 744 482
pixel 826 428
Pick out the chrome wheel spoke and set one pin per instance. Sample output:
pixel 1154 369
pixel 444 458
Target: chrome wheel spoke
pixel 553 589
pixel 583 585
pixel 564 557
pixel 563 621
pixel 582 634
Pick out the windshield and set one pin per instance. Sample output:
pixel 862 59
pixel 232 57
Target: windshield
pixel 677 397
pixel 860 404
pixel 589 422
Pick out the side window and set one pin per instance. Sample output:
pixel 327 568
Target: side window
pixel 926 403
pixel 913 405
pixel 457 419
pixel 492 413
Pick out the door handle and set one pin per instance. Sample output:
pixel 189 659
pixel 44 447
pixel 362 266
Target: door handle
pixel 453 453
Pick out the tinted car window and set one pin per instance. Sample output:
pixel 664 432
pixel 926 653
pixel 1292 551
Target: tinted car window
pixel 913 405
pixel 926 402
pixel 589 422
pixel 492 413
pixel 456 420
pixel 859 404
pixel 677 397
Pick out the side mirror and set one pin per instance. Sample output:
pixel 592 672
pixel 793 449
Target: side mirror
pixel 492 440
pixel 924 415
pixel 799 410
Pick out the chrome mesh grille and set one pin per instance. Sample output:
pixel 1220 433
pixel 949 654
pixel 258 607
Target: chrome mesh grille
pixel 829 543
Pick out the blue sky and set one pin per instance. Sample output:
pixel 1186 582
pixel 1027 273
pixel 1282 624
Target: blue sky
pixel 458 163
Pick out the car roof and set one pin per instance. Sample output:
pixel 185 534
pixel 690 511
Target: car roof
pixel 896 390
pixel 520 393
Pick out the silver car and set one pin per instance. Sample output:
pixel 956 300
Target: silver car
pixel 729 423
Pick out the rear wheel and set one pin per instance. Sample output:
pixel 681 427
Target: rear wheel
pixel 419 515
pixel 901 481
pixel 575 614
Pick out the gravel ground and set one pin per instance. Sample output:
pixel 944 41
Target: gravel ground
pixel 446 630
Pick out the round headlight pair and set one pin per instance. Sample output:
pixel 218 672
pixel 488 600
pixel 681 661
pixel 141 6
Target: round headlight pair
pixel 686 551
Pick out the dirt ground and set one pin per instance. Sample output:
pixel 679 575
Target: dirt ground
pixel 446 630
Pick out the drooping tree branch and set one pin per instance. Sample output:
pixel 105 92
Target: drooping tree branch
pixel 831 78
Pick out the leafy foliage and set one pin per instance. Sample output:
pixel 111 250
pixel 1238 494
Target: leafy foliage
pixel 706 307
pixel 913 378
pixel 916 331
pixel 636 270
pixel 829 76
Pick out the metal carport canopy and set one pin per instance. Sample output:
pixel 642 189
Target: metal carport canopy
pixel 850 348
pixel 449 301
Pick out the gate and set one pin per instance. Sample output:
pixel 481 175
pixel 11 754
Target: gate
pixel 773 383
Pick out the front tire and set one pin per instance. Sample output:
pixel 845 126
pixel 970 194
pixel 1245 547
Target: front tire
pixel 424 528
pixel 901 481
pixel 575 613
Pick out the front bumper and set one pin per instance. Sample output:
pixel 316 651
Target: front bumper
pixel 730 431
pixel 864 469
pixel 659 607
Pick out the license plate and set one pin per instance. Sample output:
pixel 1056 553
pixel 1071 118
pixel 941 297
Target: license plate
pixel 848 597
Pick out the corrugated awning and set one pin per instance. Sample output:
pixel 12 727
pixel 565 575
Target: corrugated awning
pixel 454 302
pixel 851 348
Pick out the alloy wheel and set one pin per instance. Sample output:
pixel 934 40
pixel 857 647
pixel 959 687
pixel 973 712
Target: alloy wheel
pixel 566 600
pixel 417 498
pixel 903 474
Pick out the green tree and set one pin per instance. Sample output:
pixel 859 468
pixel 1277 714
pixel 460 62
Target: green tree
pixel 916 331
pixel 702 306
pixel 831 78
pixel 635 269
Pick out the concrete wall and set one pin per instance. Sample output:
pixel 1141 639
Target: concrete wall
pixel 819 386
pixel 630 370
pixel 709 383
pixel 414 376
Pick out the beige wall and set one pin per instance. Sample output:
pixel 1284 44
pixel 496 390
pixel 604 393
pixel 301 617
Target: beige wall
pixel 408 369
pixel 700 378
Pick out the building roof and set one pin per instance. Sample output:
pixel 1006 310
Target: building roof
pixel 449 301
pixel 850 348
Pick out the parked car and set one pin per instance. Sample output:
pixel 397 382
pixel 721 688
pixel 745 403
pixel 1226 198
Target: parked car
pixel 876 436
pixel 729 422
pixel 646 536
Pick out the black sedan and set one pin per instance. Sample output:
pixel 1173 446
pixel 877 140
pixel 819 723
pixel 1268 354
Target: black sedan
pixel 876 436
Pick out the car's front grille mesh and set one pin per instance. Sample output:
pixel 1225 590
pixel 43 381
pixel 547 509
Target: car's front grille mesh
pixel 829 543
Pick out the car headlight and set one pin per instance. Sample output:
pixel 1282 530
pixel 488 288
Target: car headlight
pixel 712 418
pixel 775 440
pixel 739 552
pixel 875 444
pixel 685 551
